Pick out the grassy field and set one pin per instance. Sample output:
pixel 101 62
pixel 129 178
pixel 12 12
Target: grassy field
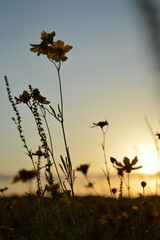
pixel 97 218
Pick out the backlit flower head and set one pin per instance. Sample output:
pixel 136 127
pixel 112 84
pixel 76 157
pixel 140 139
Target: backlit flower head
pixel 58 50
pixel 127 166
pixel 101 124
pixel 24 176
pixel 24 97
pixel 54 50
pixel 47 37
pixel 37 96
pixel 83 168
pixel 41 48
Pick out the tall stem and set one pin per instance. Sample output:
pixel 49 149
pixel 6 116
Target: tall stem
pixel 128 186
pixel 107 174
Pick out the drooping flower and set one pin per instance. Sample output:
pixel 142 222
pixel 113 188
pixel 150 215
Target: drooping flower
pixel 24 97
pixel 127 166
pixel 37 96
pixel 58 50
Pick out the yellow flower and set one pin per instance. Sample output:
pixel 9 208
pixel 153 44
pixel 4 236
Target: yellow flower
pixel 24 97
pixel 39 48
pixel 47 37
pixel 57 51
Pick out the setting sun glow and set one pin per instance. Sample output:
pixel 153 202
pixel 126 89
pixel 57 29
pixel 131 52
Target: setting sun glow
pixel 150 163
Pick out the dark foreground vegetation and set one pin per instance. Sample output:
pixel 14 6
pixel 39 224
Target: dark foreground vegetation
pixel 26 218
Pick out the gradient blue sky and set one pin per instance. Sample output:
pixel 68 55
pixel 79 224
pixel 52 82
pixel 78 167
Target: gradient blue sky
pixel 110 74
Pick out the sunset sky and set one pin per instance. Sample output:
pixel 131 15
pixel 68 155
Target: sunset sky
pixel 110 75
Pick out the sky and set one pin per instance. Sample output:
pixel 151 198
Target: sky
pixel 110 75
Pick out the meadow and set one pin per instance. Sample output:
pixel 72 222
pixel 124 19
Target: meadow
pixel 53 210
pixel 26 217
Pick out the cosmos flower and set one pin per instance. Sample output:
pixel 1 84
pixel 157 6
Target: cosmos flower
pixel 47 37
pixel 54 50
pixel 101 124
pixel 127 166
pixel 83 168
pixel 58 50
pixel 41 48
pixel 37 96
pixel 24 97
pixel 24 176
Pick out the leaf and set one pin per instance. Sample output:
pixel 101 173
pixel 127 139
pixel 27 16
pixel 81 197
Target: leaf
pixel 64 164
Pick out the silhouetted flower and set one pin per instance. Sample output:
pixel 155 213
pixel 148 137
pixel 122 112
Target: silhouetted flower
pixel 83 168
pixel 58 50
pixel 24 176
pixel 101 124
pixel 37 96
pixel 143 184
pixel 113 160
pixel 24 97
pixel 114 190
pixel 127 166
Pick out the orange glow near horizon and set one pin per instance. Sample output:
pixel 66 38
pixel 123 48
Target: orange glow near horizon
pixel 150 163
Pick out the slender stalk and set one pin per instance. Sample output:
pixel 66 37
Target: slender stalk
pixel 61 112
pixel 128 176
pixel 107 173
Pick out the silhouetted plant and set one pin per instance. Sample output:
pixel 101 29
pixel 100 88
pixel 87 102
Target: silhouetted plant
pixel 127 167
pixel 143 184
pixel 104 127
pixel 83 168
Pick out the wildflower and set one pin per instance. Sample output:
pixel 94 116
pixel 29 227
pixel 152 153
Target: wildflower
pixel 83 168
pixel 37 96
pixel 47 37
pixel 101 124
pixel 127 166
pixel 114 190
pixel 39 48
pixel 58 50
pixel 24 97
pixel 24 176
pixel 143 184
